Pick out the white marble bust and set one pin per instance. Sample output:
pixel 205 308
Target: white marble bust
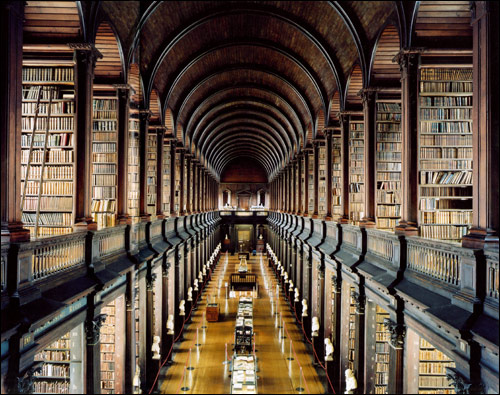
pixel 195 283
pixel 350 382
pixel 304 307
pixel 182 307
pixel 296 299
pixel 190 294
pixel 328 349
pixel 136 382
pixel 155 348
pixel 315 326
pixel 170 324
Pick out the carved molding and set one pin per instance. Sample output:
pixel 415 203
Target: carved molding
pixel 93 329
pixel 359 302
pixel 26 383
pixel 397 331
pixel 461 385
pixel 150 282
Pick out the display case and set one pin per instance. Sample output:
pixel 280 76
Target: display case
pixel 244 374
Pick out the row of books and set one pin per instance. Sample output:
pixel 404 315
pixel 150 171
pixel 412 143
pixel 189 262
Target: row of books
pixel 104 180
pixel 104 105
pixel 49 188
pixel 53 355
pixel 51 387
pixel 53 140
pixel 388 107
pixel 107 349
pixel 389 128
pixel 390 116
pixel 104 136
pixel 445 87
pixel 104 192
pixel 444 192
pixel 49 369
pixel 107 168
pixel 48 74
pixel 388 211
pixel 387 223
pixel 388 166
pixel 446 141
pixel 57 219
pixel 443 232
pixel 446 101
pixel 66 107
pixel 103 205
pixel 446 127
pixel 390 156
pixel 446 217
pixel 54 124
pixel 49 172
pixel 54 156
pixel 445 204
pixel 104 157
pixel 445 177
pixel 446 113
pixel 104 147
pixel 392 176
pixel 446 152
pixel 440 73
pixel 391 196
pixel 53 231
pixel 48 203
pixel 104 125
pixel 433 381
pixel 451 164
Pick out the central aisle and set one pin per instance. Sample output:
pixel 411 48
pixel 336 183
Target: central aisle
pixel 210 374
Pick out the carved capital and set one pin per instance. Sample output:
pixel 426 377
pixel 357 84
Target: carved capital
pixel 93 329
pixel 461 385
pixel 367 96
pixel 406 60
pixel 397 331
pixel 336 283
pixel 150 282
pixel 145 115
pixel 86 53
pixel 359 301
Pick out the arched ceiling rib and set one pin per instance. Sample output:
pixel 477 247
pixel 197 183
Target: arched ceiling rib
pixel 236 74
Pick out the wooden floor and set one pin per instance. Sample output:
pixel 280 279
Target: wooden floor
pixel 210 374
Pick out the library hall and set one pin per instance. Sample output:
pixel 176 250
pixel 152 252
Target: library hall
pixel 243 197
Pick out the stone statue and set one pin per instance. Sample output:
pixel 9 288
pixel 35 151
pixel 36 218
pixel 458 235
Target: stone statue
pixel 328 349
pixel 182 307
pixel 296 299
pixel 204 270
pixel 170 324
pixel 190 294
pixel 304 307
pixel 137 380
pixel 155 348
pixel 285 276
pixel 315 326
pixel 290 288
pixel 200 277
pixel 350 382
pixel 195 283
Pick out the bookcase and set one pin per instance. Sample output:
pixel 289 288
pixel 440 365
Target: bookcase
pixel 352 331
pixel 445 152
pixel 137 325
pixel 151 163
pixel 310 182
pixel 388 163
pixel 47 148
pixel 432 370
pixel 104 160
pixel 54 378
pixel 166 174
pixel 107 345
pixel 303 178
pixel 322 183
pixel 382 337
pixel 177 202
pixel 133 165
pixel 336 174
pixel 356 168
pixel 184 186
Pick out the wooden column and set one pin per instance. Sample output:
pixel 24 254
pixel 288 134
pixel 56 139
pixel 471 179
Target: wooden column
pixel 344 201
pixel 188 183
pixel 123 94
pixel 396 349
pixel 408 64
pixel 485 126
pixel 130 334
pixel 196 183
pixel 150 284
pixel 164 310
pixel 299 180
pixel 173 145
pixel 329 161
pixel 144 117
pixel 11 27
pixel 290 187
pixel 368 98
pixel 85 56
pixel 336 325
pixel 359 344
pixel 93 325
pixel 159 173
pixel 180 152
pixel 305 211
pixel 316 178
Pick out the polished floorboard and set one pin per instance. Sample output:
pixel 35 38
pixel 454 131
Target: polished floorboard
pixel 276 374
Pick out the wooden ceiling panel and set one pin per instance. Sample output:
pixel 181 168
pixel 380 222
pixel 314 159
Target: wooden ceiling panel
pixel 372 15
pixel 354 85
pixel 384 68
pixel 110 66
pixel 51 20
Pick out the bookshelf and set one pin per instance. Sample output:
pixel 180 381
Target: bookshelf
pixel 177 182
pixel 336 174
pixel 432 370
pixel 388 163
pixel 107 345
pixel 133 165
pixel 322 183
pixel 151 163
pixel 445 152
pixel 54 378
pixel 47 149
pixel 104 161
pixel 137 325
pixel 310 182
pixel 184 186
pixel 356 169
pixel 166 174
pixel 352 331
pixel 303 178
pixel 382 337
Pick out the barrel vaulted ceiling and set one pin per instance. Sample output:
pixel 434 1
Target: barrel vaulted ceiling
pixel 236 79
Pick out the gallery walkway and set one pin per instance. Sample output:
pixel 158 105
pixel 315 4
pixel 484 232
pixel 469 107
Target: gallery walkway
pixel 210 374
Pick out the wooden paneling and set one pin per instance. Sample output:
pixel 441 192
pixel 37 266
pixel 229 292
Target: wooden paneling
pixel 110 66
pixel 354 85
pixel 335 106
pixel 169 120
pixel 320 123
pixel 383 68
pixel 243 170
pixel 51 20
pixel 134 79
pixel 155 107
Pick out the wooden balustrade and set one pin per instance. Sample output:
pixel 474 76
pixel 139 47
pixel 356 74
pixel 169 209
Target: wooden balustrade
pixel 111 241
pixel 350 236
pixel 155 230
pixel 57 254
pixel 381 245
pixel 438 260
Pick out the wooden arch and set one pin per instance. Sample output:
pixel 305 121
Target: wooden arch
pixel 383 69
pixel 354 85
pixel 135 81
pixel 110 68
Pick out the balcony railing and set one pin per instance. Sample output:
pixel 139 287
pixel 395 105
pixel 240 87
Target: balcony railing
pixel 111 241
